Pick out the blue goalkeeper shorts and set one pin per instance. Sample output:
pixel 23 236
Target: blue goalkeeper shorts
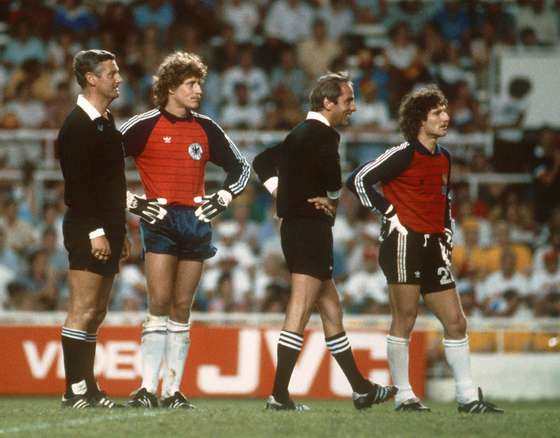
pixel 179 234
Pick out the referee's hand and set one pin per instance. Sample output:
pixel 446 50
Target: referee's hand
pixel 100 248
pixel 324 204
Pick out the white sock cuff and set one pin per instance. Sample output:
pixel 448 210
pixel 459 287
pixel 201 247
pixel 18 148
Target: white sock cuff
pixel 456 343
pixel 154 324
pixel 397 341
pixel 177 327
pixel 291 340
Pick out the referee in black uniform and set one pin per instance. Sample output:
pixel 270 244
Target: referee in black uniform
pixel 92 162
pixel 303 173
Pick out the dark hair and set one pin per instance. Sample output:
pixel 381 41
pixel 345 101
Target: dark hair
pixel 327 86
pixel 87 61
pixel 519 86
pixel 415 107
pixel 171 73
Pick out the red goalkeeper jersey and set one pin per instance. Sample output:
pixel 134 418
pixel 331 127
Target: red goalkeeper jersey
pixel 171 155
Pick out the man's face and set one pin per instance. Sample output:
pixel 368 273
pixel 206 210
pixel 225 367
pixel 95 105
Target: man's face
pixel 189 94
pixel 108 79
pixel 436 122
pixel 344 106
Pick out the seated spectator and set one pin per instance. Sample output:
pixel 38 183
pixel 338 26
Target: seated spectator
pixel 57 258
pixel 552 245
pixel 243 16
pixel 541 18
pixel 276 298
pixel 454 21
pixel 74 16
pixel 366 290
pixel 546 282
pixel 240 113
pixel 546 173
pixel 373 114
pixel 158 13
pixel 504 291
pixel 338 17
pixel 9 259
pixel 289 72
pixel 464 110
pixel 22 46
pixel 131 289
pixel 271 271
pixel 492 259
pixel 316 52
pixel 284 111
pixel 468 256
pixel 416 14
pixel 246 72
pixel 20 235
pixel 40 282
pixel 367 69
pixel 288 20
pixel 466 290
pixel 28 111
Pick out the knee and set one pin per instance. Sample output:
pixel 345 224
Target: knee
pixel 405 320
pixel 160 305
pixel 180 309
pixel 456 326
pixel 85 317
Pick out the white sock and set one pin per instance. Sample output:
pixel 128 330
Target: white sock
pixel 397 354
pixel 458 357
pixel 176 352
pixel 154 334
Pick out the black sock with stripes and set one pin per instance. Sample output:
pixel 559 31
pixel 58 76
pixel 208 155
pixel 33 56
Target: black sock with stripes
pixel 289 346
pixel 91 341
pixel 339 346
pixel 75 351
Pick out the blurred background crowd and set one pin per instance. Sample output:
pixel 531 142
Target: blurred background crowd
pixel 262 56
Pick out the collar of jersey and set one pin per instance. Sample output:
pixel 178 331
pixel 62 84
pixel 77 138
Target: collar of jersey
pixel 173 118
pixel 424 150
pixel 88 108
pixel 314 115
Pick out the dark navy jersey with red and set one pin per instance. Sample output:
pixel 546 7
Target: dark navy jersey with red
pixel 414 180
pixel 171 155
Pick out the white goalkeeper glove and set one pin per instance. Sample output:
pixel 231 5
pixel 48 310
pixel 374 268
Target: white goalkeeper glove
pixel 150 210
pixel 446 242
pixel 212 205
pixel 394 223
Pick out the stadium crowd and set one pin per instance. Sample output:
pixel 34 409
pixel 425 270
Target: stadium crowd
pixel 262 56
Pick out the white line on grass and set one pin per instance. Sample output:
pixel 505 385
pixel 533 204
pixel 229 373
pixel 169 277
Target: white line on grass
pixel 81 421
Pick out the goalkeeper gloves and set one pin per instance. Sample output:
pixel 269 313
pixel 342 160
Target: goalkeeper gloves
pixel 394 223
pixel 212 205
pixel 150 210
pixel 446 241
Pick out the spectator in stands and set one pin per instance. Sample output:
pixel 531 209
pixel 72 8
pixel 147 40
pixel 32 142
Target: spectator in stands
pixel 366 289
pixel 545 282
pixel 338 17
pixel 284 111
pixel 288 20
pixel 40 281
pixel 454 21
pixel 288 74
pixel 58 106
pixel 502 293
pixel 538 16
pixel 464 109
pixel 552 245
pixel 118 20
pixel 248 228
pixel 276 298
pixel 369 11
pixel 271 272
pixel 37 14
pixel 248 73
pixel 158 13
pixel 373 115
pixel 546 173
pixel 74 16
pixel 508 119
pixel 28 111
pixel 504 23
pixel 415 13
pixel 494 254
pixel 468 257
pixel 318 51
pixel 404 63
pixel 20 235
pixel 240 113
pixel 130 291
pixel 243 16
pixel 9 259
pixel 367 69
pixel 22 45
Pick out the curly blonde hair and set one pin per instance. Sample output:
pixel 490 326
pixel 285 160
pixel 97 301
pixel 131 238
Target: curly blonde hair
pixel 173 71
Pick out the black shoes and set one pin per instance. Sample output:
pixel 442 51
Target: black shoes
pixel 176 401
pixel 273 405
pixel 378 394
pixel 412 405
pixel 143 399
pixel 479 406
pixel 76 402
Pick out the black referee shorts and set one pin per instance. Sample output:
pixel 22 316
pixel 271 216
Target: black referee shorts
pixel 78 245
pixel 416 259
pixel 308 247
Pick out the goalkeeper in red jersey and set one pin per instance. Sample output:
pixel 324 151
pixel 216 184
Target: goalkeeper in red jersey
pixel 171 145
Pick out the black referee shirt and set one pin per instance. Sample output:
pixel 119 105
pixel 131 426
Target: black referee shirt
pixel 307 165
pixel 92 162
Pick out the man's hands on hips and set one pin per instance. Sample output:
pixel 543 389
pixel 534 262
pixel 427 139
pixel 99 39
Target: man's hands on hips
pixel 394 222
pixel 212 205
pixel 326 205
pixel 100 248
pixel 150 210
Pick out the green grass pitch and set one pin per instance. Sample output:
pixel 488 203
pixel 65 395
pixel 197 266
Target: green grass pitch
pixel 43 417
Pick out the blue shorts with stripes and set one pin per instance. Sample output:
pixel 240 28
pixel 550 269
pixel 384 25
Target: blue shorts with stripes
pixel 180 234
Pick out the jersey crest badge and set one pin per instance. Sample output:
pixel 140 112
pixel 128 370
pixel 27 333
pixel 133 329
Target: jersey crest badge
pixel 167 139
pixel 195 151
